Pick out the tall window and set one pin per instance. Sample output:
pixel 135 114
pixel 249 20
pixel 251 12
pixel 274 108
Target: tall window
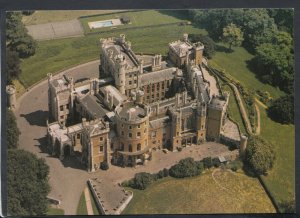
pixel 101 148
pixel 130 135
pixel 138 134
pixel 138 146
pixel 130 148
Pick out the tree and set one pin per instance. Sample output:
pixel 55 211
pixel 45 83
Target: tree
pixel 185 168
pixel 260 155
pixel 209 44
pixel 12 130
pixel 27 13
pixel 142 180
pixel 27 184
pixel 283 18
pixel 282 109
pixel 104 165
pixel 287 206
pixel 13 69
pixel 232 35
pixel 17 36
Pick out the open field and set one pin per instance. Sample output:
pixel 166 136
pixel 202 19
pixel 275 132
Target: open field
pixel 55 211
pixel 228 193
pixel 235 64
pixel 39 17
pixel 281 180
pixel 137 18
pixel 52 56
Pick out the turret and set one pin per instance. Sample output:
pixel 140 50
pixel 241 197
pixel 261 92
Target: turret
pixel 11 94
pixel 120 75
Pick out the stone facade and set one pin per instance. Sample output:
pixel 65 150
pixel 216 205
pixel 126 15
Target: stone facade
pixel 139 103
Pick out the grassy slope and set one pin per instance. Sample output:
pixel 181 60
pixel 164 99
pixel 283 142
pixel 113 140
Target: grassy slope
pixel 81 208
pixel 137 18
pixel 281 180
pixel 235 64
pixel 241 194
pixel 54 55
pixel 39 17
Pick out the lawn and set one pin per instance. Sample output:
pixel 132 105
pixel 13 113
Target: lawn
pixel 81 208
pixel 39 17
pixel 281 180
pixel 137 18
pixel 55 211
pixel 233 193
pixel 55 55
pixel 235 64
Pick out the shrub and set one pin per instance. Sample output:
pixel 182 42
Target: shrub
pixel 160 174
pixel 200 166
pixel 216 162
pixel 185 168
pixel 282 109
pixel 142 180
pixel 207 162
pixel 166 172
pixel 104 165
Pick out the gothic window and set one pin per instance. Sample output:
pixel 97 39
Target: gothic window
pixel 78 136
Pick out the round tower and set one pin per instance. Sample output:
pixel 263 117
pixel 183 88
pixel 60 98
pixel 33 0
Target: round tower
pixel 243 145
pixel 11 96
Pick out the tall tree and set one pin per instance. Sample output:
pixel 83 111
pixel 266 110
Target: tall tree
pixel 17 36
pixel 27 184
pixel 13 69
pixel 260 155
pixel 282 109
pixel 12 130
pixel 232 35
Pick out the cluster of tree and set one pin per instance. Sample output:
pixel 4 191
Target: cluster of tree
pixel 209 44
pixel 266 33
pixel 282 109
pixel 18 43
pixel 12 130
pixel 259 156
pixel 27 184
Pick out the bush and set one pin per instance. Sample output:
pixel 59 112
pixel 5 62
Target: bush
pixel 282 109
pixel 160 174
pixel 142 180
pixel 104 165
pixel 216 162
pixel 207 162
pixel 185 168
pixel 166 172
pixel 200 165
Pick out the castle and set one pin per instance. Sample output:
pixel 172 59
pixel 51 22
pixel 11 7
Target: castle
pixel 139 103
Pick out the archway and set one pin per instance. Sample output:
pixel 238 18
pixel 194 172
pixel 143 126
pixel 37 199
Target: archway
pixel 67 150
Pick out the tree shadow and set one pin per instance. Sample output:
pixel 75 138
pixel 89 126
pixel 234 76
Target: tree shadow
pixel 37 118
pixel 221 48
pixel 180 14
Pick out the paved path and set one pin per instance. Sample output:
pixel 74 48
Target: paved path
pixel 88 202
pixel 56 30
pixel 258 119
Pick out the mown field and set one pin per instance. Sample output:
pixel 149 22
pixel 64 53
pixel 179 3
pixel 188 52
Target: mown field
pixel 54 55
pixel 81 207
pixel 39 17
pixel 55 211
pixel 228 193
pixel 137 18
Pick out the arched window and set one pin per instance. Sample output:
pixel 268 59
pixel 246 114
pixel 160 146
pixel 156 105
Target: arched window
pixel 130 148
pixel 122 146
pixel 139 146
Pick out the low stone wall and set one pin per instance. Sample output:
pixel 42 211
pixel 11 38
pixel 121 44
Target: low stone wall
pixel 106 211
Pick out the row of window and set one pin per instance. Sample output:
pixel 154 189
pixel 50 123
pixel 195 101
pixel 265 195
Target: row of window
pixel 158 86
pixel 130 127
pixel 138 134
pixel 61 107
pixel 138 147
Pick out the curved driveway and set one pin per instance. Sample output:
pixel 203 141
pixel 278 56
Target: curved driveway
pixel 32 112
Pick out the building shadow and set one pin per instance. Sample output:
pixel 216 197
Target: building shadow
pixel 73 162
pixel 42 144
pixel 36 118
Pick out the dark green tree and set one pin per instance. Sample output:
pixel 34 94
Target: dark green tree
pixel 260 155
pixel 13 69
pixel 27 13
pixel 232 35
pixel 12 130
pixel 17 36
pixel 283 18
pixel 282 109
pixel 209 44
pixel 185 168
pixel 27 184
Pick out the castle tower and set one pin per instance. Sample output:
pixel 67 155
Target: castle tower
pixel 198 53
pixel 11 94
pixel 201 122
pixel 243 146
pixel 176 130
pixel 120 75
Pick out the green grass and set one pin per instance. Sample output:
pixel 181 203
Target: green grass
pixel 280 180
pixel 234 111
pixel 55 211
pixel 237 193
pixel 137 18
pixel 235 64
pixel 81 208
pixel 54 55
